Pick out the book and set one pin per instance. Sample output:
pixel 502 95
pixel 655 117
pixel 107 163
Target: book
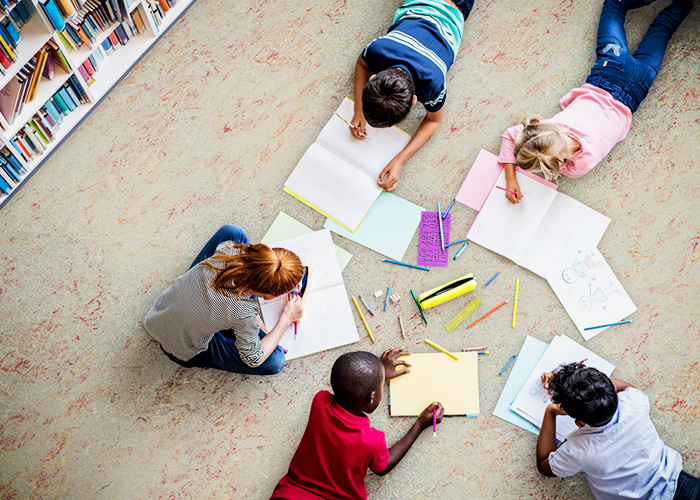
pixel 532 399
pixel 138 22
pixel 53 14
pixel 36 76
pixel 4 186
pixel 436 377
pixel 542 224
pixel 9 96
pixel 66 7
pixel 48 72
pixel 121 34
pixel 328 320
pixel 337 176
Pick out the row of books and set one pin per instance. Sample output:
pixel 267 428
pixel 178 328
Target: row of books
pixel 120 36
pixel 158 8
pixel 10 24
pixel 22 88
pixel 12 168
pixel 41 130
pixel 87 22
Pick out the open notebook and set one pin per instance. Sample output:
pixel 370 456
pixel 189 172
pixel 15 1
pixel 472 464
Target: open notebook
pixel 327 320
pixel 532 400
pixel 437 377
pixel 337 176
pixel 543 224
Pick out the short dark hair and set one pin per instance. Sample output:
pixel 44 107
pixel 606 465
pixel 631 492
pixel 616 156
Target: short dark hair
pixel 387 98
pixel 354 376
pixel 584 393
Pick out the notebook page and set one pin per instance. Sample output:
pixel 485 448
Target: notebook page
pixel 333 186
pixel 370 155
pixel 568 223
pixel 532 400
pixel 505 228
pixel 327 320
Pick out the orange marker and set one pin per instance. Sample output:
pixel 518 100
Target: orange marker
pixel 492 310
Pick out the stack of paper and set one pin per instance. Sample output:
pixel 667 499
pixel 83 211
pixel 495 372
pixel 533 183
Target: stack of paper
pixel 327 320
pixel 532 399
pixel 437 377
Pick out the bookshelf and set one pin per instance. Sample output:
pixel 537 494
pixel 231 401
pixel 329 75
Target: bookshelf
pixel 91 71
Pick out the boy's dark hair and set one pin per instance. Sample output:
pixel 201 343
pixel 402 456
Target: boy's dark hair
pixel 387 98
pixel 586 394
pixel 354 376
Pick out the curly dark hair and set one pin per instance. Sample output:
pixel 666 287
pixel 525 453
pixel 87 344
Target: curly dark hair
pixel 387 98
pixel 584 393
pixel 354 376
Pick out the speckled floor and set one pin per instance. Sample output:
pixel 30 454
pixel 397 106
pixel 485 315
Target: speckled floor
pixel 204 131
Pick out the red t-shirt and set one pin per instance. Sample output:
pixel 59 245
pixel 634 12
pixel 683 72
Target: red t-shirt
pixel 334 454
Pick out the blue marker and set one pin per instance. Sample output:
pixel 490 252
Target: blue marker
pixel 386 301
pixel 448 209
pixel 365 303
pixel 466 244
pixel 472 415
pixel 455 242
pixel 507 365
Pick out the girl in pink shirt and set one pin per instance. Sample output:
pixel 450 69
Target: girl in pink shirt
pixel 597 115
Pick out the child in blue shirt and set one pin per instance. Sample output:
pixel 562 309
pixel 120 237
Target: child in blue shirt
pixel 408 64
pixel 616 445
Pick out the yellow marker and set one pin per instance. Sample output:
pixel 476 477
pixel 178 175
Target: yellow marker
pixel 363 319
pixel 515 304
pixel 443 350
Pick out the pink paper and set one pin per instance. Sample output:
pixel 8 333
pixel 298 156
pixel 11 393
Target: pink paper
pixel 430 252
pixel 482 177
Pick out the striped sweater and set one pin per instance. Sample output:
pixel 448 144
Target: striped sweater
pixel 188 314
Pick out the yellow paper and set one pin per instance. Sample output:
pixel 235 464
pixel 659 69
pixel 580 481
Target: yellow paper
pixel 437 377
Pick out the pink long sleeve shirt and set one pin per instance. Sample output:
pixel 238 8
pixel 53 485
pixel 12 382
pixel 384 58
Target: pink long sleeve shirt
pixel 590 115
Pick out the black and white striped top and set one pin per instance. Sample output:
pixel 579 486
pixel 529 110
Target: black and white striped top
pixel 188 314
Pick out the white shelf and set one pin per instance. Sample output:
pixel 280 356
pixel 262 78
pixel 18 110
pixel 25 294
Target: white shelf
pixel 34 35
pixel 47 88
pixel 112 69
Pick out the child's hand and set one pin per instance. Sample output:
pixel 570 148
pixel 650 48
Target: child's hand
pixel 358 126
pixel 556 409
pixel 392 172
pixel 425 419
pixel 512 185
pixel 390 361
pixel 293 310
pixel 546 379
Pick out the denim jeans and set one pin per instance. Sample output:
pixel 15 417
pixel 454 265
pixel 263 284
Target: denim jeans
pixel 221 352
pixel 687 488
pixel 625 76
pixel 465 7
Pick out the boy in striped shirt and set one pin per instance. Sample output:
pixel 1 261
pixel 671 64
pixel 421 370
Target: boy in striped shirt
pixel 408 64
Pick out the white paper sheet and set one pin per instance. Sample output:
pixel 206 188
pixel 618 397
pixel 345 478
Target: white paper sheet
pixel 532 400
pixel 327 320
pixel 587 288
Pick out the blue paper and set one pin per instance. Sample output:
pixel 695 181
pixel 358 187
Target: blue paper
pixel 388 227
pixel 529 356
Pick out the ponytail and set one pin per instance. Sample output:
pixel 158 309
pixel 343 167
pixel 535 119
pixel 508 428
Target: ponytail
pixel 539 147
pixel 257 268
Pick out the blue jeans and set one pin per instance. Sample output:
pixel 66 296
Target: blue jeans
pixel 221 352
pixel 465 7
pixel 625 76
pixel 687 488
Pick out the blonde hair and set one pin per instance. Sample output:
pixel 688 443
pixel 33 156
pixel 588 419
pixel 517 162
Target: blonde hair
pixel 257 268
pixel 540 147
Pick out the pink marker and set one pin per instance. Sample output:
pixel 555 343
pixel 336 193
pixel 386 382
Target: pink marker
pixel 509 191
pixel 434 420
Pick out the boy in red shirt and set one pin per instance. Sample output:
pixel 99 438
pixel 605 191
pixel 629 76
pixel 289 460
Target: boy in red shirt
pixel 338 445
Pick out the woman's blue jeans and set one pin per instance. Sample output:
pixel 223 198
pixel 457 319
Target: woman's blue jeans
pixel 628 77
pixel 221 352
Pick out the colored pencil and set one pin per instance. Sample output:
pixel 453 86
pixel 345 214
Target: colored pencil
pixel 403 332
pixel 434 420
pixel 362 316
pixel 296 294
pixel 511 192
pixel 353 126
pixel 406 265
pixel 466 244
pixel 419 307
pixel 386 301
pixel 455 242
pixel 480 348
pixel 478 352
pixel 515 304
pixel 492 310
pixel 365 303
pixel 442 349
pixel 448 209
pixel 492 277
pixel 442 235
pixel 611 324
pixel 472 415
pixel 507 365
